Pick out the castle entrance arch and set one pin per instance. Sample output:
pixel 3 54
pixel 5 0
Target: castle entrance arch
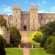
pixel 25 28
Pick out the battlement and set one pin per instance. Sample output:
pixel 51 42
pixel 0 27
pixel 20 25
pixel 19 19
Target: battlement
pixel 16 7
pixel 33 7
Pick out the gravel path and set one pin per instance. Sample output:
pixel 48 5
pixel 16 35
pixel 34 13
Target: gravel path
pixel 26 51
pixel 25 37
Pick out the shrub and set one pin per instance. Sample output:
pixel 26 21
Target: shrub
pixel 38 36
pixel 1 41
pixel 3 21
pixel 15 37
pixel 47 30
pixel 2 50
pixel 50 44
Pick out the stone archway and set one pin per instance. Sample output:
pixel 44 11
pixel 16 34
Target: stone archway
pixel 25 28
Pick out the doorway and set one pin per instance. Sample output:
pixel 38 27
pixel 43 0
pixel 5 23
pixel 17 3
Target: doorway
pixel 25 28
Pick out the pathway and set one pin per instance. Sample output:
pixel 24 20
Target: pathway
pixel 25 37
pixel 26 51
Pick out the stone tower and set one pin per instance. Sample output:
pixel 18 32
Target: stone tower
pixel 17 17
pixel 33 18
pixel 7 19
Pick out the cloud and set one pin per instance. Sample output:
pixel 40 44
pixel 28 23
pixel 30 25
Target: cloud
pixel 41 11
pixel 52 8
pixel 5 9
pixel 43 1
pixel 8 9
pixel 26 1
pixel 32 3
pixel 46 11
pixel 39 4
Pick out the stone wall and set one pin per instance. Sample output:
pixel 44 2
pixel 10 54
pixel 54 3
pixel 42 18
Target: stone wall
pixel 44 18
pixel 17 17
pixel 31 19
pixel 25 21
pixel 5 34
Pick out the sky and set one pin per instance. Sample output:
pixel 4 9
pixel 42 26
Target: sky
pixel 44 6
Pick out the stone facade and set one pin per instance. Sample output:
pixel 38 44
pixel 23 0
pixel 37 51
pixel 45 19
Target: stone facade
pixel 33 17
pixel 25 20
pixel 5 34
pixel 44 18
pixel 28 20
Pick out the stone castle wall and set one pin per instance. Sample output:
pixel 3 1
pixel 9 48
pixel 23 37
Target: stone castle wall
pixel 33 18
pixel 28 20
pixel 25 20
pixel 44 18
pixel 5 34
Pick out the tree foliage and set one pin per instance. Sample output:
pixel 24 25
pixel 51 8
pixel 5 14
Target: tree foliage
pixel 15 37
pixel 38 36
pixel 47 30
pixel 1 41
pixel 2 21
pixel 2 50
pixel 50 44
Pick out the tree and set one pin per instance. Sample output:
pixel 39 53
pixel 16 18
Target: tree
pixel 15 37
pixel 50 44
pixel 38 36
pixel 2 50
pixel 47 30
pixel 2 21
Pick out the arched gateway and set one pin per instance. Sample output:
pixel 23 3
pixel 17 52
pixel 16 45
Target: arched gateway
pixel 25 28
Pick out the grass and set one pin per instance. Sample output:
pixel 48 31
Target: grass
pixel 16 51
pixel 39 51
pixel 13 51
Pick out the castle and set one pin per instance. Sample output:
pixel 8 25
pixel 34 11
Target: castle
pixel 25 20
pixel 28 20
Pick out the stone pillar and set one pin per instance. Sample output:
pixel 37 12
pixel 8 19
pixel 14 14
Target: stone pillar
pixel 32 46
pixel 19 46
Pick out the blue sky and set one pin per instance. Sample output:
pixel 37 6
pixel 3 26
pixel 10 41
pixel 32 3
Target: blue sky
pixel 47 6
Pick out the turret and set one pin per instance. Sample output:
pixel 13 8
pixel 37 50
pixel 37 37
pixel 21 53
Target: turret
pixel 33 17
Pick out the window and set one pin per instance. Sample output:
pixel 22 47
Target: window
pixel 32 15
pixel 16 11
pixel 35 16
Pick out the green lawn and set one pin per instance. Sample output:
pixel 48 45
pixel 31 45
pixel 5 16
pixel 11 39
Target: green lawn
pixel 39 51
pixel 14 51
